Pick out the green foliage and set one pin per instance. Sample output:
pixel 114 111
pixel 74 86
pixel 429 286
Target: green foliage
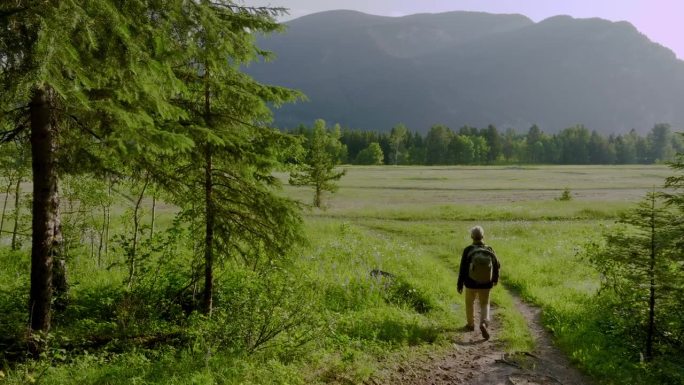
pixel 323 151
pixel 464 149
pixel 437 145
pixel 14 282
pixel 640 266
pixel 329 318
pixel 676 182
pixel 398 143
pixel 371 155
pixel 401 292
pixel 257 312
pixel 469 145
pixel 566 195
pixel 84 55
pixel 392 326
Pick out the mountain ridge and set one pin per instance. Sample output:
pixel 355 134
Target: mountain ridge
pixel 473 68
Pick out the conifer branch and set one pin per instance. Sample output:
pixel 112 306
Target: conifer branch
pixel 252 125
pixel 86 129
pixel 263 10
pixel 20 108
pixel 6 136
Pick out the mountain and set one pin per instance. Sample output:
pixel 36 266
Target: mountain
pixel 457 68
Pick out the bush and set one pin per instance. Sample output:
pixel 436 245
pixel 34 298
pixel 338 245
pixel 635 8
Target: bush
pixel 256 312
pixel 566 195
pixel 401 293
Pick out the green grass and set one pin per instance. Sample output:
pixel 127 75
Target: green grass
pixel 419 187
pixel 412 222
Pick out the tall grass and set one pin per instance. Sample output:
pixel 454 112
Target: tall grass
pixel 409 222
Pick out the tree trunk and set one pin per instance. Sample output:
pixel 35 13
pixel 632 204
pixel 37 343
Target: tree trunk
pixel 317 196
pixel 10 182
pixel 651 299
pixel 108 219
pixel 45 224
pixel 208 295
pixel 101 233
pixel 207 300
pixel 60 286
pixel 136 229
pixel 17 196
pixel 154 206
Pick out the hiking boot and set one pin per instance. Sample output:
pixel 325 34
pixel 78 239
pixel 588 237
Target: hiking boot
pixel 485 332
pixel 468 328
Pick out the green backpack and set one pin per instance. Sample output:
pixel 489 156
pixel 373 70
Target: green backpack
pixel 481 266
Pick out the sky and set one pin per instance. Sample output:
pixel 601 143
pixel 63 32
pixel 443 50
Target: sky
pixel 661 20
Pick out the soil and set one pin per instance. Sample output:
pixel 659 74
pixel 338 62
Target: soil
pixel 474 361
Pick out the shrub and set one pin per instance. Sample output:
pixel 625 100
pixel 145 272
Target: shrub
pixel 257 312
pixel 566 195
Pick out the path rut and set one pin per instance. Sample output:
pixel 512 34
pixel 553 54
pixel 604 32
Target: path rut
pixel 474 361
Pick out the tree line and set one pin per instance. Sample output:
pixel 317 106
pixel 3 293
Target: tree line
pixel 442 145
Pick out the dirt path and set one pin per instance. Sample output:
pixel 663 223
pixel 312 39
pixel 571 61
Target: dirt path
pixel 474 361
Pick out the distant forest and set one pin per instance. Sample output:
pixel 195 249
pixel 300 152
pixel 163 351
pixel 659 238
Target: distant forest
pixel 480 146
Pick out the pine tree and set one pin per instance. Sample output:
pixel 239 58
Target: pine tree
pixel 226 184
pixel 641 265
pixel 89 71
pixel 318 167
pixel 676 182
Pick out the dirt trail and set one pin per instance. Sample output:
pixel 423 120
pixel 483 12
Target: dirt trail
pixel 474 361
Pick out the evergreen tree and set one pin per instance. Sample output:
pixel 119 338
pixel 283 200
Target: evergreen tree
pixel 574 143
pixel 318 168
pixel 494 144
pixel 641 265
pixel 416 149
pixel 534 141
pixel 676 182
pixel 511 144
pixel 534 135
pixel 227 183
pixel 660 143
pixel 81 70
pixel 353 141
pixel 625 150
pixel 437 145
pixel 600 150
pixel 641 148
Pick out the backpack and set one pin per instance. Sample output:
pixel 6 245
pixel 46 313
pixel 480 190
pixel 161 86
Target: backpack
pixel 481 264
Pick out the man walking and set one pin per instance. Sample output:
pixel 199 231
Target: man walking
pixel 479 272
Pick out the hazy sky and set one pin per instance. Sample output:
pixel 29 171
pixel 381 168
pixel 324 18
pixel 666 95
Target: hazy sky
pixel 661 20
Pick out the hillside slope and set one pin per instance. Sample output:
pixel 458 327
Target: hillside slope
pixel 457 68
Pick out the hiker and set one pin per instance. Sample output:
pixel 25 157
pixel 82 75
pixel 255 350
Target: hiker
pixel 479 272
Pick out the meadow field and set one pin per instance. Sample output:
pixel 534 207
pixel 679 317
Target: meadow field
pixel 411 222
pixel 539 238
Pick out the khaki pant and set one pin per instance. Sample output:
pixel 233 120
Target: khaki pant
pixel 483 296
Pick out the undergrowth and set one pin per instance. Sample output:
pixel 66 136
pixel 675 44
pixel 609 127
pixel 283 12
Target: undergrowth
pixel 374 286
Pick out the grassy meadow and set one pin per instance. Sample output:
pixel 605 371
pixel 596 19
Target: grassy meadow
pixel 538 237
pixel 412 222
